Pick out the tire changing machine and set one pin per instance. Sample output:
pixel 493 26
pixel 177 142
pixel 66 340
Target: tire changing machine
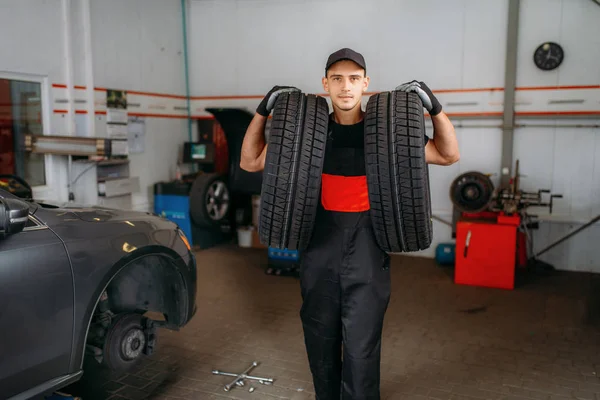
pixel 198 203
pixel 493 228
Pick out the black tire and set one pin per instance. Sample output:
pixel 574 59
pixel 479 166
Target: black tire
pixel 201 192
pixel 121 354
pixel 397 174
pixel 292 176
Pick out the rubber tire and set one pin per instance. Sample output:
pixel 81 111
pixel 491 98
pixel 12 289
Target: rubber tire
pixel 397 174
pixel 198 192
pixel 291 184
pixel 120 325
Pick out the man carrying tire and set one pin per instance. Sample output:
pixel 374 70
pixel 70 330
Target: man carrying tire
pixel 344 274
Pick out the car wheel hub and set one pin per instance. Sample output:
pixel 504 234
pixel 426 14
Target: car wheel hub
pixel 133 344
pixel 217 200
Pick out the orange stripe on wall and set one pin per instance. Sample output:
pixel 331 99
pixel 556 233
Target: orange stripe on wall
pixel 532 113
pixel 171 96
pixel 227 97
pixel 457 114
pixel 212 117
pixel 203 117
pixel 558 87
pixel 495 89
pixel 157 115
pixel 260 96
pixel 61 86
pixel 473 114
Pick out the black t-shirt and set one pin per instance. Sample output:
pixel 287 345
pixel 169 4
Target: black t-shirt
pixel 345 151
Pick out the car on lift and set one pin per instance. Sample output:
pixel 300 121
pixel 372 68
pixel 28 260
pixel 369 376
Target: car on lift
pixel 84 283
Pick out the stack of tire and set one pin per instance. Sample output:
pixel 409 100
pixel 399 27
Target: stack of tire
pixel 397 174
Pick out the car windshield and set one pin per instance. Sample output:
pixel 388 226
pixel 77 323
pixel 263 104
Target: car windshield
pixel 33 206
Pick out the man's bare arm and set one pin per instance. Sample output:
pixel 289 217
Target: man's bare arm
pixel 254 147
pixel 443 148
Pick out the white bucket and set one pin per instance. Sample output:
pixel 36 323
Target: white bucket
pixel 245 237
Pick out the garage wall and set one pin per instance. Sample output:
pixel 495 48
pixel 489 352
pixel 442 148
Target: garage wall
pixel 135 46
pixel 553 152
pixel 138 46
pixel 26 51
pixel 244 47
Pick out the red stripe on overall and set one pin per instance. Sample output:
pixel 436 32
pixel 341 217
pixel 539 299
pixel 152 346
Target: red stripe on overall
pixel 344 193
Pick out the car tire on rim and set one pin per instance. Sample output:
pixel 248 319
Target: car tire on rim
pixel 209 200
pixel 126 342
pixel 292 175
pixel 397 174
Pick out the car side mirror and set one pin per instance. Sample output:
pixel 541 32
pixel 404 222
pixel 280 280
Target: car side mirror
pixel 13 215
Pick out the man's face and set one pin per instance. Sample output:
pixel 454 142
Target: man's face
pixel 345 82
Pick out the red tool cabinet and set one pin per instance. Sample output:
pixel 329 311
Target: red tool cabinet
pixel 486 250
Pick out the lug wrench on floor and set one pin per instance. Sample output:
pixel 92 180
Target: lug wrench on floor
pixel 239 378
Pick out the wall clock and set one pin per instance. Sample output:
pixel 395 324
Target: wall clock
pixel 548 56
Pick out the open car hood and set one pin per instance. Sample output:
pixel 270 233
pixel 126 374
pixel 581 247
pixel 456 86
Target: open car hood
pixel 235 122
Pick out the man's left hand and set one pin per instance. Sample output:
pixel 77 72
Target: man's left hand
pixel 430 102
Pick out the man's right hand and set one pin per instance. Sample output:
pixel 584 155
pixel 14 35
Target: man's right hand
pixel 266 105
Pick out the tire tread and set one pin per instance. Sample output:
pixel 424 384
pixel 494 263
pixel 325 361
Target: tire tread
pixel 293 167
pixel 397 174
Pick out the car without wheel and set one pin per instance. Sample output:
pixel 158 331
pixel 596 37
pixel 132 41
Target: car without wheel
pixel 77 284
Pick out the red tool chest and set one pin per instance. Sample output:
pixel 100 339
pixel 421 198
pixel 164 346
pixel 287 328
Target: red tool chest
pixel 486 249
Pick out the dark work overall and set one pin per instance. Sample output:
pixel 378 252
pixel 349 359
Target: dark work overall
pixel 345 278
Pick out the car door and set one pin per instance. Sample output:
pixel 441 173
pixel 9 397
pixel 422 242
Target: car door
pixel 36 309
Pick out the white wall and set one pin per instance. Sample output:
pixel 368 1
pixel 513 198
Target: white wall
pixel 135 45
pixel 26 50
pixel 573 24
pixel 563 159
pixel 244 47
pixel 138 45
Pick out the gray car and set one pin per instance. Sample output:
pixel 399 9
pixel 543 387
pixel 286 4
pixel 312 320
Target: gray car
pixel 77 283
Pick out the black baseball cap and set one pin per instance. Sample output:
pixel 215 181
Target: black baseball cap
pixel 345 54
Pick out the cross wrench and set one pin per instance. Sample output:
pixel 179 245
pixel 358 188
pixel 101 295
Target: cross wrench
pixel 264 381
pixel 240 377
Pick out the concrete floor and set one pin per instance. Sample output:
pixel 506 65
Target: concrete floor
pixel 441 340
